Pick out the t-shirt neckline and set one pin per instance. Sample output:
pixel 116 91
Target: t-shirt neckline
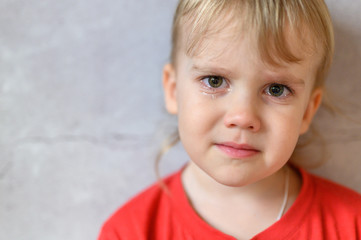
pixel 283 228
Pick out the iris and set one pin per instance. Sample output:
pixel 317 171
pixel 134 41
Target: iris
pixel 215 81
pixel 276 90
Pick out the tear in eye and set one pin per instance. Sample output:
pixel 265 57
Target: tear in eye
pixel 214 84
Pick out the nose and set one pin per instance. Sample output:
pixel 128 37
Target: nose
pixel 243 114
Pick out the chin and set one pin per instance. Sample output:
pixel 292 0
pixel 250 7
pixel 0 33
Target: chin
pixel 232 180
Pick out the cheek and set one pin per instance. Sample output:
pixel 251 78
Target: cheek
pixel 195 108
pixel 193 123
pixel 198 115
pixel 285 127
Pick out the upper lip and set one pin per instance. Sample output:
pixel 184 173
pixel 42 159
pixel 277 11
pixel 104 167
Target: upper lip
pixel 238 146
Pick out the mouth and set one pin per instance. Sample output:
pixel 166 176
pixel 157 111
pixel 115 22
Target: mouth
pixel 238 151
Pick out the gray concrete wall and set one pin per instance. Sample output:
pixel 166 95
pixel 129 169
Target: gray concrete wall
pixel 81 110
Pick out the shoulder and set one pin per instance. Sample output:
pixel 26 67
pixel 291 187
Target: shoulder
pixel 335 195
pixel 333 210
pixel 322 210
pixel 135 218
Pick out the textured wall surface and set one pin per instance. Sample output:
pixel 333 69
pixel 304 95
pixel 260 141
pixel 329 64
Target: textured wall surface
pixel 81 110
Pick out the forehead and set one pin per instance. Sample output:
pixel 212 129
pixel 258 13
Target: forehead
pixel 233 53
pixel 224 32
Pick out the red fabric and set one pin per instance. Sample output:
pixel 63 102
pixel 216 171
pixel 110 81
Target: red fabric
pixel 323 210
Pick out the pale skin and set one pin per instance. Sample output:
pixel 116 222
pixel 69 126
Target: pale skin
pixel 240 196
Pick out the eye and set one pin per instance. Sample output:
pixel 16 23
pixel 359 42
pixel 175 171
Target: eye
pixel 214 82
pixel 278 90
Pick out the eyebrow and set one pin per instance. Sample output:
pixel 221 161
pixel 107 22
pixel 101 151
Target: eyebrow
pixel 287 77
pixel 217 70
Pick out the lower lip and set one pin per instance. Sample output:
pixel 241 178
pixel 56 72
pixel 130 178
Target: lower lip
pixel 237 153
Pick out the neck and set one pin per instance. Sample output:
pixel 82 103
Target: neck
pixel 199 183
pixel 236 211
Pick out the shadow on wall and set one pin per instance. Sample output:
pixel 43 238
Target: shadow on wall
pixel 343 87
pixel 344 80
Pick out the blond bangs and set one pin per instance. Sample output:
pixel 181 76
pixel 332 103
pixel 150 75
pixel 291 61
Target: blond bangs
pixel 268 19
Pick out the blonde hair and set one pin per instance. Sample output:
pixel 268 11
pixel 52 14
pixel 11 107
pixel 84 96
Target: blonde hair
pixel 268 19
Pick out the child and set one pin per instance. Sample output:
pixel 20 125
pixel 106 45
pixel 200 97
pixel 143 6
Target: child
pixel 246 78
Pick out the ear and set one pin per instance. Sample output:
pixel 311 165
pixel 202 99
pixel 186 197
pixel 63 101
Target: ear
pixel 312 107
pixel 169 87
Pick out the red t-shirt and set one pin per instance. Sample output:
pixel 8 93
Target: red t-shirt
pixel 323 210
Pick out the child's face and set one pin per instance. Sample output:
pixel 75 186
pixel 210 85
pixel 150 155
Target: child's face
pixel 239 118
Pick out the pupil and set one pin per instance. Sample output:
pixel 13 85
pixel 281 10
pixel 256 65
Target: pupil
pixel 215 82
pixel 276 90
